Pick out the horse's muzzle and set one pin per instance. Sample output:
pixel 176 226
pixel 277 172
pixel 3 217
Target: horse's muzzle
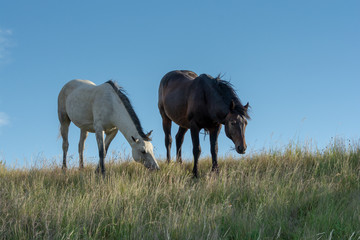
pixel 241 150
pixel 154 168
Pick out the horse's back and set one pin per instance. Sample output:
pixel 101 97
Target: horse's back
pixel 72 85
pixel 69 88
pixel 177 76
pixel 184 96
pixel 80 100
pixel 174 91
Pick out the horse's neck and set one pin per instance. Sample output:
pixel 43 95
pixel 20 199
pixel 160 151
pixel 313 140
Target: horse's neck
pixel 219 109
pixel 125 124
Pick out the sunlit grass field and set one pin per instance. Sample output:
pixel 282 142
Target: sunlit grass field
pixel 290 193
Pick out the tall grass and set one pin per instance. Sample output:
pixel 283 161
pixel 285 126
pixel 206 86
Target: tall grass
pixel 294 193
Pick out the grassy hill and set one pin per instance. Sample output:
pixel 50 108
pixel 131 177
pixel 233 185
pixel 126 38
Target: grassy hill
pixel 293 193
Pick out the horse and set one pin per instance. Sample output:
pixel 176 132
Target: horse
pixel 201 102
pixel 102 109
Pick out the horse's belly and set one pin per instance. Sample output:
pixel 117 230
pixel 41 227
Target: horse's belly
pixel 80 112
pixel 81 120
pixel 84 126
pixel 176 110
pixel 178 116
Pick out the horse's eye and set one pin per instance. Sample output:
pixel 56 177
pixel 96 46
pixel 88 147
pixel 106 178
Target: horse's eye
pixel 233 123
pixel 143 152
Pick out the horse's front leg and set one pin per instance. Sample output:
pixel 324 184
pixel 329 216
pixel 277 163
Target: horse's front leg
pixel 101 146
pixel 196 147
pixel 214 133
pixel 109 137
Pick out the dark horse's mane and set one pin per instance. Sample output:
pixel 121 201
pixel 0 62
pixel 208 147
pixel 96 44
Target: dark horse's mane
pixel 226 90
pixel 126 101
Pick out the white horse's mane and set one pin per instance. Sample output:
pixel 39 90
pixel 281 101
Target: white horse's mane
pixel 126 101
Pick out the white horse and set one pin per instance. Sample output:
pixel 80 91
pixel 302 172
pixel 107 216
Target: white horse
pixel 99 109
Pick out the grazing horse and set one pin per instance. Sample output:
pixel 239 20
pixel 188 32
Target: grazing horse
pixel 196 102
pixel 99 109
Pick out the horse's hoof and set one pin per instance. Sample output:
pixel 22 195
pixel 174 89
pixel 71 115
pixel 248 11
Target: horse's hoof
pixel 215 170
pixel 97 172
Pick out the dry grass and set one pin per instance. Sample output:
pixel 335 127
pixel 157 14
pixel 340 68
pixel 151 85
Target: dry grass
pixel 294 193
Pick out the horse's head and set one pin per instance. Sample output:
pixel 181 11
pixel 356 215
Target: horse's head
pixel 142 152
pixel 235 125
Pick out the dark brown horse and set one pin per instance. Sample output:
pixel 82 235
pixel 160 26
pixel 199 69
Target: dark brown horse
pixel 201 102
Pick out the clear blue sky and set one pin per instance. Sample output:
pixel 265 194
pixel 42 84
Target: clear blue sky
pixel 296 62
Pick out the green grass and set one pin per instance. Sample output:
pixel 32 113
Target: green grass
pixel 293 193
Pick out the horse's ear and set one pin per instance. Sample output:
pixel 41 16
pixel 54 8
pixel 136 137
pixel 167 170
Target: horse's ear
pixel 246 106
pixel 232 105
pixel 148 134
pixel 135 139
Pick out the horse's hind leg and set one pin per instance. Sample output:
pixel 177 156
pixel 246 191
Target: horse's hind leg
pixel 179 141
pixel 83 136
pixel 64 130
pixel 168 140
